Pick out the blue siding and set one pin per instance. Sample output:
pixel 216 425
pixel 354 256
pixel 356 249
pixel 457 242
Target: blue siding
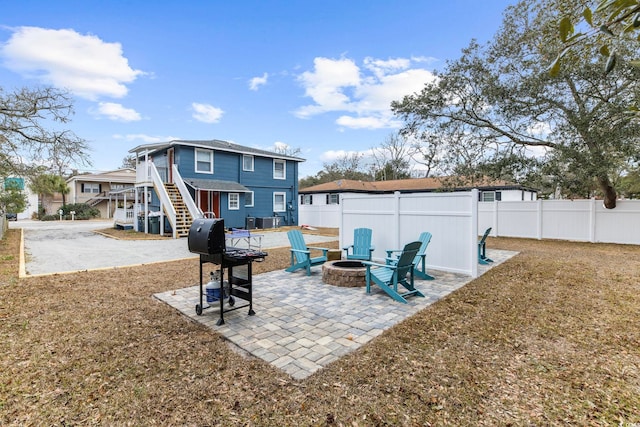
pixel 228 167
pixel 264 186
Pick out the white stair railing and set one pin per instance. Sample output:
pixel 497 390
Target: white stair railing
pixel 193 209
pixel 165 200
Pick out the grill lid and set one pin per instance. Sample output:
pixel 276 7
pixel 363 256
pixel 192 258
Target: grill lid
pixel 206 236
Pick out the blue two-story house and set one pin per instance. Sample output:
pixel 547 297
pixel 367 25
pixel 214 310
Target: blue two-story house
pixel 183 180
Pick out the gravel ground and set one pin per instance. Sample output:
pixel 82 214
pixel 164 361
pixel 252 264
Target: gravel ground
pixel 69 246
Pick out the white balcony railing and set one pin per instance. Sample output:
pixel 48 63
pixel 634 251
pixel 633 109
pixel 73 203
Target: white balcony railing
pixel 123 216
pixel 165 201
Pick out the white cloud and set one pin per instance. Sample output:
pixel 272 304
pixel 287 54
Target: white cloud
pixel 368 122
pixel 427 59
pixel 381 67
pixel 206 113
pixel 281 146
pixel 340 85
pixel 540 129
pixel 256 82
pixel 117 112
pixel 326 85
pixel 84 64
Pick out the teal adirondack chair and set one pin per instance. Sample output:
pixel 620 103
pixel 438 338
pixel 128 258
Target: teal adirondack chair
pixel 419 262
pixel 301 254
pixel 389 276
pixel 362 247
pixel 482 248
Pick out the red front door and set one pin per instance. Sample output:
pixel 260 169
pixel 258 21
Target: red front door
pixel 215 203
pixel 209 202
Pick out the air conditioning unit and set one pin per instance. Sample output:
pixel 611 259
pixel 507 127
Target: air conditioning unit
pixel 250 223
pixel 265 222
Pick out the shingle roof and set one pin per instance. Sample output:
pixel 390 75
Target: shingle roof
pixel 217 185
pixel 402 185
pixel 215 144
pixel 125 175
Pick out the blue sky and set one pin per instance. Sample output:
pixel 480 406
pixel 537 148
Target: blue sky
pixel 313 75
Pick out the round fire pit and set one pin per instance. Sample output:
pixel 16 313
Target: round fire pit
pixel 344 273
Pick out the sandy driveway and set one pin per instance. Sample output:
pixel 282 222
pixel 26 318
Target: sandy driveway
pixel 64 246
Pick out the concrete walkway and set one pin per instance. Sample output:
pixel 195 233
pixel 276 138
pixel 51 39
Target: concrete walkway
pixel 301 324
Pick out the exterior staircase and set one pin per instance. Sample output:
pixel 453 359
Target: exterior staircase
pixel 95 201
pixel 183 217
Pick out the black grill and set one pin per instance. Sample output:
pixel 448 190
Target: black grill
pixel 206 236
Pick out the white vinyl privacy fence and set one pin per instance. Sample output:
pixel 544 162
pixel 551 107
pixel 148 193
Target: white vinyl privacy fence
pixel 457 219
pixel 397 219
pixel 319 215
pixel 579 220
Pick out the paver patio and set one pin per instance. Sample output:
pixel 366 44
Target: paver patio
pixel 302 324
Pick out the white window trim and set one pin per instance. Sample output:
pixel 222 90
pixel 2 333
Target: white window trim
pixel 252 199
pixel 236 205
pixel 284 169
pixel 248 156
pixel 195 165
pixel 485 195
pixel 93 186
pixel 284 201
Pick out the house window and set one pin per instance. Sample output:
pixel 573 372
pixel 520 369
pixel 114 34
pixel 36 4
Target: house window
pixel 306 199
pixel 279 169
pixel 333 199
pixel 248 199
pixel 279 200
pixel 247 163
pixel 490 196
pixel 204 161
pixel 91 188
pixel 234 201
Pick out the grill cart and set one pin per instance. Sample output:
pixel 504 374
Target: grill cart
pixel 207 238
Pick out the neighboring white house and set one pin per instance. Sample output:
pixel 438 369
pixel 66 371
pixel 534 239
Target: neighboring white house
pixel 319 204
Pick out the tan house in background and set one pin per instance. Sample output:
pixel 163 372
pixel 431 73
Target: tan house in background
pixel 100 190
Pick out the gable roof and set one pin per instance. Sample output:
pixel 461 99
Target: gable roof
pixel 404 186
pixel 125 175
pixel 214 144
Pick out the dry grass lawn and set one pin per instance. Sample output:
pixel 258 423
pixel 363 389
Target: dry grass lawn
pixel 551 337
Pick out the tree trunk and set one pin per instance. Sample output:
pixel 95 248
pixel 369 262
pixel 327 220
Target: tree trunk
pixel 609 192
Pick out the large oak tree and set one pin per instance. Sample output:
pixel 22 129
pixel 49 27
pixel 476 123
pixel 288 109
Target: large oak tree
pixel 501 100
pixel 33 132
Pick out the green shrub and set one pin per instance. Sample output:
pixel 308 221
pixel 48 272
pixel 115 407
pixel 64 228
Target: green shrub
pixel 82 210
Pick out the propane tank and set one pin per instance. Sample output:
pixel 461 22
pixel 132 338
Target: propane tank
pixel 212 289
